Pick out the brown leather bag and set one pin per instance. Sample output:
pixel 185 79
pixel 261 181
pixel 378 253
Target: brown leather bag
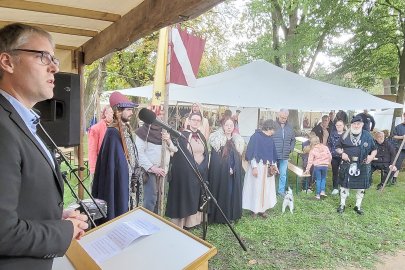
pixel 271 170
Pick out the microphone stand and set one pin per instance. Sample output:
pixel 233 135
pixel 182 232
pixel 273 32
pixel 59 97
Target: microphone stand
pixel 78 200
pixel 208 196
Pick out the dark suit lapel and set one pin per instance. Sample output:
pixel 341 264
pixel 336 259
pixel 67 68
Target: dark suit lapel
pixel 16 118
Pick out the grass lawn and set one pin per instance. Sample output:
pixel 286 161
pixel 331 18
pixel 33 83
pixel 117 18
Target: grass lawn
pixel 315 236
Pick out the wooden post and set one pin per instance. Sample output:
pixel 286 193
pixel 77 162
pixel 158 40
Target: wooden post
pixel 161 180
pixel 80 148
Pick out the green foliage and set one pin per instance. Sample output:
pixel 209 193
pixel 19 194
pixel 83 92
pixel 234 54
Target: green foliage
pixel 134 66
pixel 302 28
pixel 374 50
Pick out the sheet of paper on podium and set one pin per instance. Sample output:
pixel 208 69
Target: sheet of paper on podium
pixel 118 238
pixel 134 240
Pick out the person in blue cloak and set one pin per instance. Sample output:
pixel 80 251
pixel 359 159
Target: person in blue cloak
pixel 118 178
pixel 259 189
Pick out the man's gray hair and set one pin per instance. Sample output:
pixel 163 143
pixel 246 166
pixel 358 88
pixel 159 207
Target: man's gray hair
pixel 13 36
pixel 284 111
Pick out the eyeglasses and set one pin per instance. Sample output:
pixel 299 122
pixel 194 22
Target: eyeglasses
pixel 46 57
pixel 195 120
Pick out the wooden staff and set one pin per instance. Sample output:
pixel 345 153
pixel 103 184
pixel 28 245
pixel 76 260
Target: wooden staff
pixel 393 164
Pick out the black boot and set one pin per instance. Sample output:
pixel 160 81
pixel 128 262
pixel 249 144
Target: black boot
pixel 358 210
pixel 340 209
pixel 379 186
pixel 393 180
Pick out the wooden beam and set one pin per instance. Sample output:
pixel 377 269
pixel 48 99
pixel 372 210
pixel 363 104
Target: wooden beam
pixel 59 29
pixel 61 10
pixel 65 47
pixel 147 17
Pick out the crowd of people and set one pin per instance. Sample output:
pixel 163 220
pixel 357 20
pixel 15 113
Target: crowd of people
pixel 217 157
pixel 354 151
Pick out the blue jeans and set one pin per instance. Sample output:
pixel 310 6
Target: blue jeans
pixel 282 167
pixel 320 176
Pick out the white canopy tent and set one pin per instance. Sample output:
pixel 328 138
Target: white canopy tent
pixel 263 85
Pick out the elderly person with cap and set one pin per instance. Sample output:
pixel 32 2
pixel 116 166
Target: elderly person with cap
pixel 357 149
pixel 117 178
pixel 384 158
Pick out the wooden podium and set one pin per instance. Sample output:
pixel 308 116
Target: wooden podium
pixel 171 248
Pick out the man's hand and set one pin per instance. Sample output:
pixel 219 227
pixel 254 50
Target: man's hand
pixel 255 172
pixel 369 159
pixel 78 228
pixel 345 157
pixel 157 170
pixel 78 220
pixel 393 168
pixel 165 136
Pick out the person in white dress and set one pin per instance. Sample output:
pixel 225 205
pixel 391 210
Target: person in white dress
pixel 259 189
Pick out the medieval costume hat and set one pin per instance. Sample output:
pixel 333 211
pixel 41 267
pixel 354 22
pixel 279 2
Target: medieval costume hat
pixel 118 100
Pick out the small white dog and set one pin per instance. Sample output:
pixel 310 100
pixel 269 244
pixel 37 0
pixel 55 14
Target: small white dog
pixel 288 200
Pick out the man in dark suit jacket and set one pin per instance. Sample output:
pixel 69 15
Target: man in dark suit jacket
pixel 33 226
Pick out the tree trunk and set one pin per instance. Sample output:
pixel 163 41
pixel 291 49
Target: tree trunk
pixel 393 85
pixel 401 87
pixel 276 39
pixel 294 120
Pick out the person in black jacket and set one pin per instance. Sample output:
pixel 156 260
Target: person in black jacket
pixel 367 120
pixel 384 158
pixel 342 116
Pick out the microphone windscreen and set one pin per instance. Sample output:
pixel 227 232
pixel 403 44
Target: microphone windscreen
pixel 147 116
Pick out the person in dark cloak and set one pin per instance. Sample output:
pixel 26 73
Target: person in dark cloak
pixel 117 173
pixel 225 172
pixel 183 198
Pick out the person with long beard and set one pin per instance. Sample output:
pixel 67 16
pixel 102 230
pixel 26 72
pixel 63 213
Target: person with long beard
pixel 117 179
pixel 357 149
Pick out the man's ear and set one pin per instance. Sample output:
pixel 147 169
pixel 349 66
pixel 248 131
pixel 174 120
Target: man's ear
pixel 6 62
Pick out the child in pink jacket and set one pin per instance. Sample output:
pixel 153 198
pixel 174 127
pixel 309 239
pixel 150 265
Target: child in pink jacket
pixel 320 157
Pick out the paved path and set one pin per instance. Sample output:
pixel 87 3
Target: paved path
pixel 396 262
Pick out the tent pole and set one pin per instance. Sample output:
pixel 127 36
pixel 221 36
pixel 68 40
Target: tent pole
pixel 80 148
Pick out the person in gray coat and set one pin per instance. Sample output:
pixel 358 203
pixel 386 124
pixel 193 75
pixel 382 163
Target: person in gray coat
pixel 284 140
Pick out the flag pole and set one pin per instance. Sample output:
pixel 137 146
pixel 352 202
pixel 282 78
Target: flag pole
pixel 161 180
pixel 161 96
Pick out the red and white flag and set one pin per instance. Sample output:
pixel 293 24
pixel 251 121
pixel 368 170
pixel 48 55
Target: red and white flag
pixel 186 54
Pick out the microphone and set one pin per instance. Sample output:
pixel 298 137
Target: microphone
pixel 149 117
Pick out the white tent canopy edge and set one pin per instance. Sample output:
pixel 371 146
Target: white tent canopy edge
pixel 260 84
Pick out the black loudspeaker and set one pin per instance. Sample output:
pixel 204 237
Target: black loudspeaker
pixel 60 116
